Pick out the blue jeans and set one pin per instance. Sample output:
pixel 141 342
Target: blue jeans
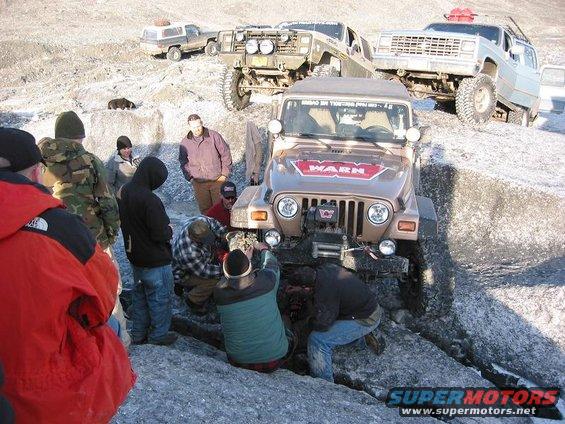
pixel 321 344
pixel 151 302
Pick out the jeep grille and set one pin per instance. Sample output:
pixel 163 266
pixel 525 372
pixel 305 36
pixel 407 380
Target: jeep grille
pixel 426 46
pixel 351 213
pixel 290 47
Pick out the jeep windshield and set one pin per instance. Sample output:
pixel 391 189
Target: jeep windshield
pixel 331 29
pixel 491 33
pixel 351 119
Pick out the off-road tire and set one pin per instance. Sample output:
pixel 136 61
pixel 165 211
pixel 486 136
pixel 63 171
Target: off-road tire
pixel 475 100
pixel 233 98
pixel 425 290
pixel 325 71
pixel 520 116
pixel 174 54
pixel 211 48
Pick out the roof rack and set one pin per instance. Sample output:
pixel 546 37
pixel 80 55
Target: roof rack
pixel 508 22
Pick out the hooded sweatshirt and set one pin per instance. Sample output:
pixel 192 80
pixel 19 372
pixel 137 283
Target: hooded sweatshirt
pixel 144 222
pixel 79 180
pixel 62 363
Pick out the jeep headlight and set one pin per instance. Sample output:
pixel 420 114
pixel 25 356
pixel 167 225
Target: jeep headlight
pixel 287 207
pixel 385 41
pixel 272 238
pixel 387 247
pixel 251 47
pixel 267 47
pixel 377 213
pixel 285 38
pixel 468 46
pixel 239 36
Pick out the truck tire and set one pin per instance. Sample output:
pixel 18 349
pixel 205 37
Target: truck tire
pixel 325 71
pixel 174 54
pixel 519 116
pixel 232 94
pixel 211 48
pixel 425 290
pixel 475 100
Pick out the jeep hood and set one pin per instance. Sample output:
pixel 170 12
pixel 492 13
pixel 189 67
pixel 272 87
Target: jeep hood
pixel 317 174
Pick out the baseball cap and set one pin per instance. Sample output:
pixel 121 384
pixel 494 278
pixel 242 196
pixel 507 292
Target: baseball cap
pixel 228 189
pixel 19 148
pixel 201 232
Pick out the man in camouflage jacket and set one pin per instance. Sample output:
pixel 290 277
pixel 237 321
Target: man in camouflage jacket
pixel 78 179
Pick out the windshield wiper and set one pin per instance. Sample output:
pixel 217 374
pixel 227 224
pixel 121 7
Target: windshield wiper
pixel 315 138
pixel 374 143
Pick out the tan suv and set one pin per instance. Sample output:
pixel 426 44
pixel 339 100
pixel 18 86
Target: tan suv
pixel 342 182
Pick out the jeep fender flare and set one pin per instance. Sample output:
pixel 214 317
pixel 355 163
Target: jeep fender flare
pixel 490 68
pixel 329 59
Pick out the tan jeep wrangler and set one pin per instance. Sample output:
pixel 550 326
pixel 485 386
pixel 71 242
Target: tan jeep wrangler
pixel 269 60
pixel 341 182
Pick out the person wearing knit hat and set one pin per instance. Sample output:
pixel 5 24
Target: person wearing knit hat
pixel 122 165
pixel 254 334
pixel 78 179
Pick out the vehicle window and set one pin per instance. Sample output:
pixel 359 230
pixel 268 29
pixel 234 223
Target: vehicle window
pixel 508 45
pixel 150 34
pixel 491 33
pixel 354 42
pixel 554 77
pixel 530 57
pixel 191 30
pixel 331 29
pixel 172 32
pixel 366 49
pixel 360 120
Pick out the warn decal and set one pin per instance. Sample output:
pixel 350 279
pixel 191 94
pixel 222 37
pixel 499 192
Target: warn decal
pixel 326 213
pixel 358 171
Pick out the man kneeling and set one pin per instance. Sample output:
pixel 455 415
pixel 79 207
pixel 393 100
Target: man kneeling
pixel 254 334
pixel 345 311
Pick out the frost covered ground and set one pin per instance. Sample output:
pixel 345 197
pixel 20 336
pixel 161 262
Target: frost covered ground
pixel 499 193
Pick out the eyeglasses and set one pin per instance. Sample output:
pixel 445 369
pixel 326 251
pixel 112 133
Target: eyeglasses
pixel 231 199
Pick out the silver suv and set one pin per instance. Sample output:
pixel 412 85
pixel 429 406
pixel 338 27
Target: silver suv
pixel 485 69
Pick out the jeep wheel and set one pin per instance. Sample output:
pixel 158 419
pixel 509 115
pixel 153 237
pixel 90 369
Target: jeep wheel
pixel 475 100
pixel 174 54
pixel 211 48
pixel 520 116
pixel 325 71
pixel 422 291
pixel 234 96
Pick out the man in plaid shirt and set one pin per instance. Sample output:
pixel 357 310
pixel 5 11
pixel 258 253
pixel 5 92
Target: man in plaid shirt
pixel 197 252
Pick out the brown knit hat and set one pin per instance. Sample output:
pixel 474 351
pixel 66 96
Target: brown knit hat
pixel 200 232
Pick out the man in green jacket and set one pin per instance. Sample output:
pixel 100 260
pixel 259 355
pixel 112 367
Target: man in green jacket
pixel 254 334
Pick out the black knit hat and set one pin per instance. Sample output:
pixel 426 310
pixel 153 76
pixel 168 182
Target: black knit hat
pixel 69 125
pixel 19 148
pixel 122 142
pixel 236 264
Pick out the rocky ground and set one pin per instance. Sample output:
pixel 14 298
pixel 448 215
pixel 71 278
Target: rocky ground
pixel 499 194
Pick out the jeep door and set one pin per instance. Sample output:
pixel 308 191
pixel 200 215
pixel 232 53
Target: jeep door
pixel 358 63
pixel 193 41
pixel 527 78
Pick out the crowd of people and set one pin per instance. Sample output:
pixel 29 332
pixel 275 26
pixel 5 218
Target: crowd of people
pixel 62 209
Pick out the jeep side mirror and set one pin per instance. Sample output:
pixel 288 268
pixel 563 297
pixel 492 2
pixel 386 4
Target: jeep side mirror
pixel 274 126
pixel 517 50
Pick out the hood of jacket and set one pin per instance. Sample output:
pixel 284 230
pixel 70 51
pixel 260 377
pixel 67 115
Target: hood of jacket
pixel 21 200
pixel 56 150
pixel 150 174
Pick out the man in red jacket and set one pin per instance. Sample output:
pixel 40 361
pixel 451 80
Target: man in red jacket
pixel 62 362
pixel 221 211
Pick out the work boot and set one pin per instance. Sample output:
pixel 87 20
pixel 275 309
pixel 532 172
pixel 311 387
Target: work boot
pixel 376 343
pixel 166 340
pixel 196 308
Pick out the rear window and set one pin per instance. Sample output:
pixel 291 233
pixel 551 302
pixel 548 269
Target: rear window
pixel 553 77
pixel 150 34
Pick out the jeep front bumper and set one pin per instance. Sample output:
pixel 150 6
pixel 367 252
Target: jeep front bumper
pixel 467 67
pixel 266 63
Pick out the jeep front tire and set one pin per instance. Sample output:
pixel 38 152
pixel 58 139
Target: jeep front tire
pixel 174 54
pixel 211 48
pixel 475 100
pixel 325 71
pixel 234 95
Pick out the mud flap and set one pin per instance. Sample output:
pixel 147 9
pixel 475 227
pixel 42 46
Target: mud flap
pixel 427 226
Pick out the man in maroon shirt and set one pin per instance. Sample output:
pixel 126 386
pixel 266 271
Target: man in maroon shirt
pixel 221 210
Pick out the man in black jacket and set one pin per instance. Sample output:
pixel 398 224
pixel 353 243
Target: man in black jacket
pixel 345 311
pixel 147 234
